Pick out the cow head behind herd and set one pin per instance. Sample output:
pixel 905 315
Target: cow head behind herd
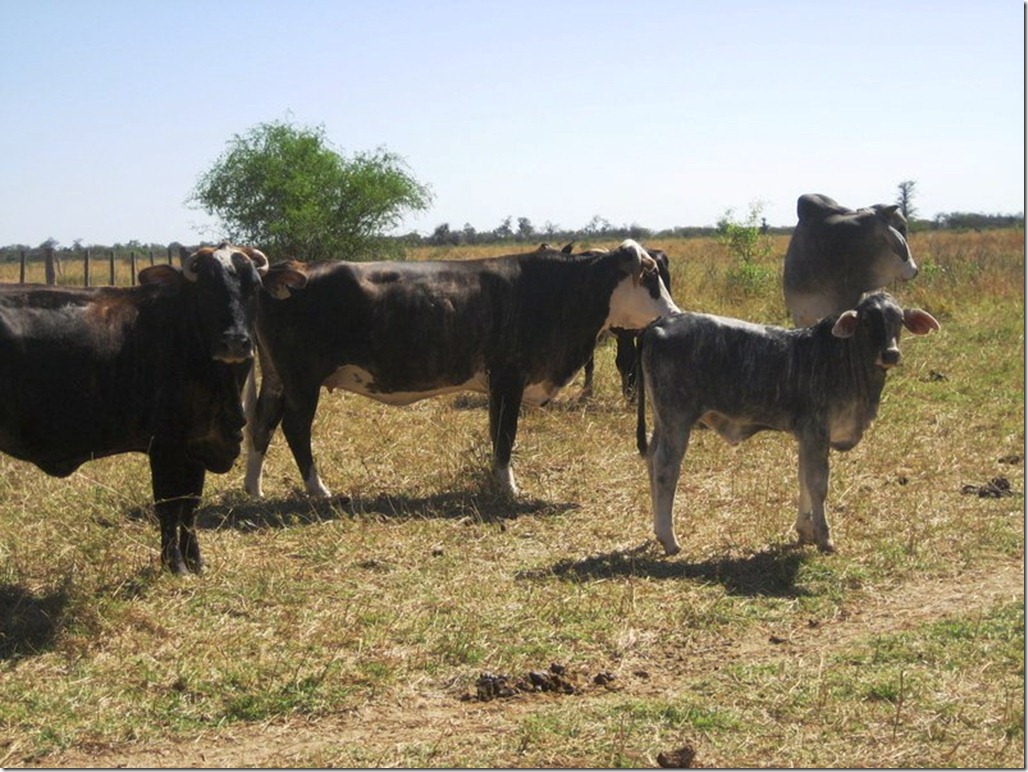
pixel 167 368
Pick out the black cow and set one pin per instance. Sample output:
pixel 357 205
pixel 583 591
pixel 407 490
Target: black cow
pixel 625 340
pixel 516 327
pixel 157 368
pixel 822 384
pixel 836 254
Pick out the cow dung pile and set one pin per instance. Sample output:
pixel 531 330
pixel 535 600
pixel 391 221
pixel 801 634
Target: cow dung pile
pixel 994 489
pixel 555 679
pixel 681 758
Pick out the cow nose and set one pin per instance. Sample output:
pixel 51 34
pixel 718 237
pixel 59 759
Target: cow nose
pixel 234 348
pixel 890 357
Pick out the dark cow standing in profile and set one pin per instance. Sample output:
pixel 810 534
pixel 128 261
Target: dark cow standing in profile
pixel 836 254
pixel 158 368
pixel 516 327
pixel 822 384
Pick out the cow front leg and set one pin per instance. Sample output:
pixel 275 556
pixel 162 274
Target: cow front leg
pixel 177 487
pixel 664 464
pixel 505 392
pixel 296 426
pixel 811 524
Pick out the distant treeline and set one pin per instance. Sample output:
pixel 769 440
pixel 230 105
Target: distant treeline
pixel 597 229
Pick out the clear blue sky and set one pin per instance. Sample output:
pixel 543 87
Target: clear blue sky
pixel 656 112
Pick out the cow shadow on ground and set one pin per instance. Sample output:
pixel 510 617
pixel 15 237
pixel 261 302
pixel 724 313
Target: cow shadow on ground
pixel 30 622
pixel 242 513
pixel 770 572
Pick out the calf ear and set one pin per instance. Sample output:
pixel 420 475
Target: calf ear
pixel 919 322
pixel 283 278
pixel 845 325
pixel 161 274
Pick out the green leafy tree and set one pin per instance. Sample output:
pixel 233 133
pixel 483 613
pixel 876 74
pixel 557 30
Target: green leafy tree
pixel 286 190
pixel 748 242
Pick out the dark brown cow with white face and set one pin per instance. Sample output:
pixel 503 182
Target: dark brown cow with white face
pixel 93 372
pixel 516 327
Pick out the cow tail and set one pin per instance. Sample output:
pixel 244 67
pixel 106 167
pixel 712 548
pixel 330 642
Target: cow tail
pixel 640 393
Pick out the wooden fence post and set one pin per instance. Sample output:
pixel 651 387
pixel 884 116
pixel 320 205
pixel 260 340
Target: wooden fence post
pixel 21 275
pixel 132 268
pixel 111 256
pixel 85 268
pixel 51 277
pixel 151 257
pixel 169 254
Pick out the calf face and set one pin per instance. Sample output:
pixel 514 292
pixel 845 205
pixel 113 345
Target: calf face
pixel 821 384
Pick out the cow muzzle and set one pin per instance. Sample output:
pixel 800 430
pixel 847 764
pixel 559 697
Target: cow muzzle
pixel 233 349
pixel 889 358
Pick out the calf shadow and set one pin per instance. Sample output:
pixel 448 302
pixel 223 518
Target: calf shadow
pixel 770 572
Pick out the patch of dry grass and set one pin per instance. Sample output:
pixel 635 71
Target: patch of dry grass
pixel 344 633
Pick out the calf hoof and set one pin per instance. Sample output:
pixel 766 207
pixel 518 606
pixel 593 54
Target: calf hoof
pixel 671 549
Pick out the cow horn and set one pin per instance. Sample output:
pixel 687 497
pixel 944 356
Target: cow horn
pixel 189 266
pixel 259 259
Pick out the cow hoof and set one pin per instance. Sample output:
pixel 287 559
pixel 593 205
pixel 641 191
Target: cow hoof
pixel 673 549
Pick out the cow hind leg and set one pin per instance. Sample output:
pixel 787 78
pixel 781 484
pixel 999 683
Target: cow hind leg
pixel 296 426
pixel 505 394
pixel 587 383
pixel 664 463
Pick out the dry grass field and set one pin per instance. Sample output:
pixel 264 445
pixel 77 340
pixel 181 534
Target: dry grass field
pixel 418 620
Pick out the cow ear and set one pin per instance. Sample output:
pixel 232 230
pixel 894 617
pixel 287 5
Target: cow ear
pixel 845 325
pixel 283 278
pixel 161 274
pixel 919 322
pixel 566 249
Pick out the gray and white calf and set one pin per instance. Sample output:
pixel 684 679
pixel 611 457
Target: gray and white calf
pixel 822 384
pixel 837 254
pixel 516 327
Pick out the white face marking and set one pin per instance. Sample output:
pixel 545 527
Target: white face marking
pixel 224 256
pixel 632 307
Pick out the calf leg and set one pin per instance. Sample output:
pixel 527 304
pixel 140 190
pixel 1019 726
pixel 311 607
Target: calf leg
pixel 664 463
pixel 177 486
pixel 505 392
pixel 811 524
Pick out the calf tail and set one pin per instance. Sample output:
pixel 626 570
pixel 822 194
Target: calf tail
pixel 640 394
